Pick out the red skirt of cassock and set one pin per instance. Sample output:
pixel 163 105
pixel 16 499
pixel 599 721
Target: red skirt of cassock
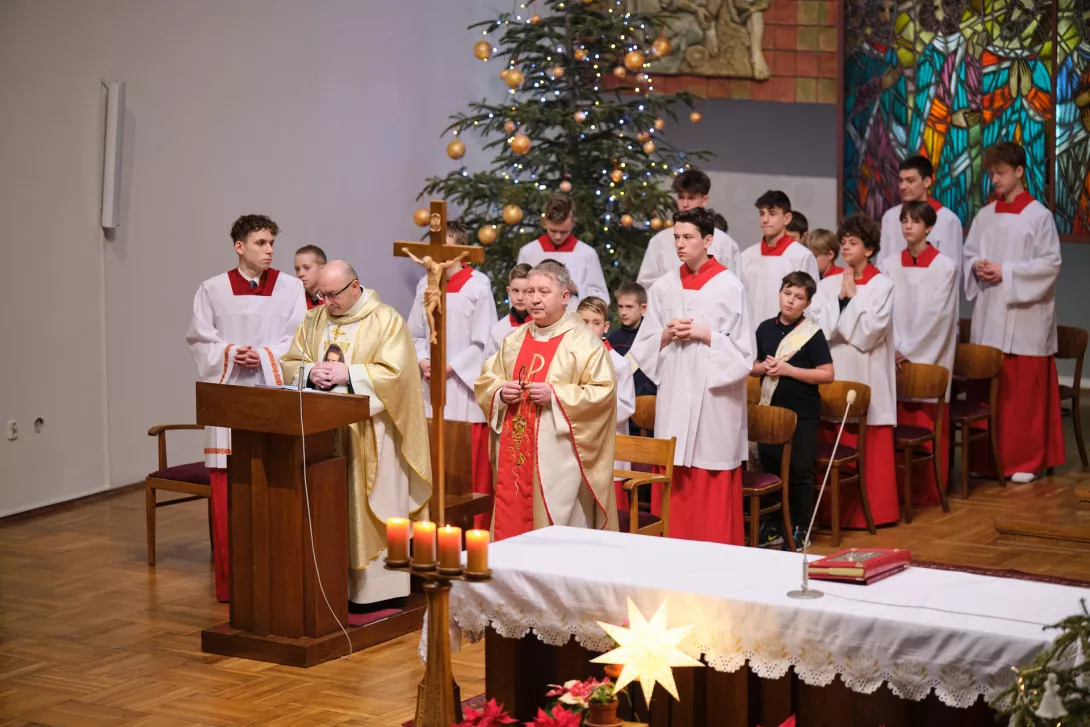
pixel 880 478
pixel 1031 434
pixel 482 470
pixel 221 554
pixel 922 414
pixel 704 505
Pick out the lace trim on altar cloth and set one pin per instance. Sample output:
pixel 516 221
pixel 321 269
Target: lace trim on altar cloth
pixel 768 658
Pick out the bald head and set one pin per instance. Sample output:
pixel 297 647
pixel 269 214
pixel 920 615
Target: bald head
pixel 339 286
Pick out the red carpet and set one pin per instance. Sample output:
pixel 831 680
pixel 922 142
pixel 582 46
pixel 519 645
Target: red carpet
pixel 362 619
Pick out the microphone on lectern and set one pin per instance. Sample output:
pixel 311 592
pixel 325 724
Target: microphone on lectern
pixel 806 591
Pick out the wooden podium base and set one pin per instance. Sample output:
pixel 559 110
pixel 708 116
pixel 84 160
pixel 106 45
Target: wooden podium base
pixel 304 653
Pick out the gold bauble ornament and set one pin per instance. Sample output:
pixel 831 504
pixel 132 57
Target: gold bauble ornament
pixel 558 71
pixel 634 60
pixel 512 214
pixel 456 149
pixel 535 19
pixel 514 78
pixel 504 72
pixel 643 137
pixel 509 126
pixel 642 78
pixel 668 223
pixel 662 47
pixel 659 124
pixel 487 234
pixel 520 143
pixel 580 54
pixel 565 186
pixel 626 220
pixel 620 72
pixel 649 148
pixel 695 117
pixel 580 116
pixel 422 217
pixel 482 49
pixel 656 223
pixel 617 176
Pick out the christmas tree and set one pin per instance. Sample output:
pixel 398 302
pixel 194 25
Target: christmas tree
pixel 580 116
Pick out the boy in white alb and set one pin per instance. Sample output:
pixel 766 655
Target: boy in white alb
pixel 470 314
pixel 1012 260
pixel 696 343
pixel 691 188
pixel 517 284
pixel 762 267
pixel 924 328
pixel 855 310
pixel 243 323
pixel 559 244
pixel 917 174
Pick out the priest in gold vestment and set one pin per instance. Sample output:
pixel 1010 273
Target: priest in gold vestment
pixel 357 343
pixel 549 395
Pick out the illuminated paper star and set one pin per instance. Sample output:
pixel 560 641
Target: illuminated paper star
pixel 647 651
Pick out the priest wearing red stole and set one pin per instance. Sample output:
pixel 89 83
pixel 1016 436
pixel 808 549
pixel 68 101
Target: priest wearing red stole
pixel 469 314
pixel 559 244
pixel 925 327
pixel 697 344
pixel 550 397
pixel 916 177
pixel 243 322
pixel 1012 260
pixel 855 310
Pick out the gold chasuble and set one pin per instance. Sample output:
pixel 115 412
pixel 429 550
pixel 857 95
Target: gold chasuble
pixel 553 464
pixel 389 465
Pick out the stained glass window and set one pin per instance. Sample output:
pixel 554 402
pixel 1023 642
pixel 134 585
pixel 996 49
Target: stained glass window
pixel 1072 184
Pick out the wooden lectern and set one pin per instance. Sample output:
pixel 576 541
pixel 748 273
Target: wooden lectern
pixel 278 612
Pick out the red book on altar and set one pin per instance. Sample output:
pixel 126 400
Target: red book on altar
pixel 860 565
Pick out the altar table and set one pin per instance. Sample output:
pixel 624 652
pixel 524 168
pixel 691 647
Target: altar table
pixel 938 640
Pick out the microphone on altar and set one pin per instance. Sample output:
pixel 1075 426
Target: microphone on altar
pixel 806 591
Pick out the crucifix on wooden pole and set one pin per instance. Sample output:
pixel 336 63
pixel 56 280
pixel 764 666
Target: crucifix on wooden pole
pixel 436 256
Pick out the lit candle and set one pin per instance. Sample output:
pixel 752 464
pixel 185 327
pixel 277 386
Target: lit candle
pixel 450 548
pixel 424 543
pixel 477 551
pixel 397 539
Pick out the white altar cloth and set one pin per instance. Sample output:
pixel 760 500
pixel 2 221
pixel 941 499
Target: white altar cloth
pixel 956 633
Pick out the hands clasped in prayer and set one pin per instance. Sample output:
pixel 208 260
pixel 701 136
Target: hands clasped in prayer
pixel 847 285
pixel 425 369
pixel 539 393
pixel 988 271
pixel 773 366
pixel 328 374
pixel 683 329
pixel 247 358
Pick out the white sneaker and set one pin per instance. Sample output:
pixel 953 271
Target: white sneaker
pixel 1022 478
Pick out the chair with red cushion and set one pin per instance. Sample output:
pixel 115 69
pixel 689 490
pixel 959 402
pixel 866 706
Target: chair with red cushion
pixel 915 382
pixel 658 453
pixel 974 362
pixel 190 479
pixel 769 425
pixel 1071 343
pixel 834 403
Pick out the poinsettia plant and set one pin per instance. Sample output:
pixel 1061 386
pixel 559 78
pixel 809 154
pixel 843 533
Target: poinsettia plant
pixel 566 706
pixel 579 694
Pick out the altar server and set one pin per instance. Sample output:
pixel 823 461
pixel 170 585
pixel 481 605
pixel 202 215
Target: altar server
pixel 551 401
pixel 826 247
pixel 1012 260
pixel 691 189
pixel 917 175
pixel 559 244
pixel 763 266
pixel 309 260
pixel 243 321
pixel 925 326
pixel 470 313
pixel 517 283
pixel 696 343
pixel 855 310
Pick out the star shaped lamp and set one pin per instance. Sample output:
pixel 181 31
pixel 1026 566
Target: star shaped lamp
pixel 647 651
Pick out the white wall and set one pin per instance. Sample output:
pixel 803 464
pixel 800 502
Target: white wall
pixel 733 195
pixel 323 115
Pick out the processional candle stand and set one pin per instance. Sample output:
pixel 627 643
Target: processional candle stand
pixel 435 705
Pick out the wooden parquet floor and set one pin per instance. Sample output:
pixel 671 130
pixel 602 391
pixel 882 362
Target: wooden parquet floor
pixel 89 635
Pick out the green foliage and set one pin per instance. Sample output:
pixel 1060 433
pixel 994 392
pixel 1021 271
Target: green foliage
pixel 585 153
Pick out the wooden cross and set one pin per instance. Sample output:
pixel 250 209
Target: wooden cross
pixel 439 252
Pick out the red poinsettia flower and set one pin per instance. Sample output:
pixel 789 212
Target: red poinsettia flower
pixel 574 693
pixel 559 717
pixel 492 714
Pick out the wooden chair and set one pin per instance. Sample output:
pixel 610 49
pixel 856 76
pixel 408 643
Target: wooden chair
pixel 769 425
pixel 834 402
pixel 1072 344
pixel 191 479
pixel 644 416
pixel 975 362
pixel 645 451
pixel 753 390
pixel 917 381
